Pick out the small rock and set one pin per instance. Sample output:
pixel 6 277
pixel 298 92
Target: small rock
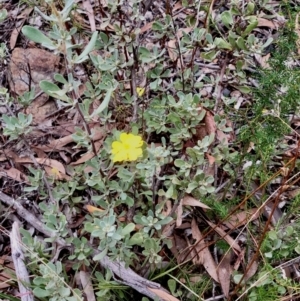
pixel 27 68
pixel 226 92
pixel 203 93
pixel 3 110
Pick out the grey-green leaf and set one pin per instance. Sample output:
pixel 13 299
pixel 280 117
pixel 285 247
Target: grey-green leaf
pixel 241 43
pixel 221 43
pixel 36 36
pixel 253 22
pixel 104 103
pixel 3 14
pixel 90 46
pixel 100 255
pixel 227 19
pixel 136 239
pixel 129 228
pixel 53 90
pixel 40 293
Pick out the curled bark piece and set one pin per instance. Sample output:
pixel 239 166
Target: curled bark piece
pixel 130 278
pixel 18 260
pixel 87 285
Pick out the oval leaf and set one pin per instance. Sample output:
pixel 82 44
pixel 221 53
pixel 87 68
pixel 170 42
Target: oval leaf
pixel 36 36
pixel 129 228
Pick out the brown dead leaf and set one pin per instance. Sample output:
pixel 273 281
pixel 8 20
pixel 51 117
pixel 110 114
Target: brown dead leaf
pixel 56 174
pixel 224 271
pixel 90 12
pixel 201 129
pixel 222 137
pixel 168 229
pixel 241 218
pixel 210 123
pixel 179 212
pixel 88 155
pixel 54 171
pixel 180 249
pixel 177 6
pixel 172 50
pixel 40 153
pixel 251 271
pixel 168 206
pixel 14 174
pixel 186 225
pixel 185 30
pixel 58 144
pixel 210 159
pixel 15 33
pixel 89 169
pixel 66 158
pixel 239 260
pixel 92 209
pixel 162 294
pixel 232 243
pixel 190 201
pixel 7 271
pixel 266 23
pixel 49 162
pixel 52 163
pixel 146 27
pixel 64 128
pixel 203 255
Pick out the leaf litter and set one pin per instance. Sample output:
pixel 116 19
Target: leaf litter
pixel 191 241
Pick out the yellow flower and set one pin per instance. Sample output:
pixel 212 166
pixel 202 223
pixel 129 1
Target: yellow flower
pixel 140 91
pixel 55 172
pixel 128 148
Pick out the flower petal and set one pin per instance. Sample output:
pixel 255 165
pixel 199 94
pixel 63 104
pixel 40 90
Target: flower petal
pixel 116 147
pixel 134 141
pixel 134 154
pixel 119 157
pixel 123 137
